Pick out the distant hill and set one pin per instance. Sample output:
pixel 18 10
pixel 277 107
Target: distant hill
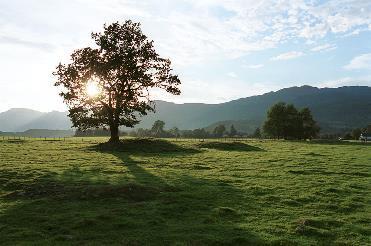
pixel 43 133
pixel 13 119
pixel 53 120
pixel 48 133
pixel 19 120
pixel 336 109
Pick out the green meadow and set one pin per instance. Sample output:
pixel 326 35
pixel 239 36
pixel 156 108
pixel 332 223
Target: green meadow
pixel 168 192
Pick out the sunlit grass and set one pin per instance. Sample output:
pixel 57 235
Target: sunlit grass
pixel 190 192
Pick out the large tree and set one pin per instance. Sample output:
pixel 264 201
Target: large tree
pixel 310 129
pixel 275 124
pixel 109 85
pixel 285 121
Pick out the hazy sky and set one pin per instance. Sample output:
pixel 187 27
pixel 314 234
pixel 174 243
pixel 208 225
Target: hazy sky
pixel 221 49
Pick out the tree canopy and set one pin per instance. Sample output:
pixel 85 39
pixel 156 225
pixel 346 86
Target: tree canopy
pixel 120 71
pixel 257 133
pixel 232 131
pixel 219 131
pixel 158 128
pixel 285 121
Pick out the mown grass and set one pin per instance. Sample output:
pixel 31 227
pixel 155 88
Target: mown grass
pixel 159 192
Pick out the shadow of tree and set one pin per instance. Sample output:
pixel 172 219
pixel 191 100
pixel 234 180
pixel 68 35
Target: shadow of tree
pixel 16 141
pixel 59 208
pixel 231 146
pixel 146 145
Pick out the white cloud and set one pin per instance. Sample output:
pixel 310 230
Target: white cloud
pixel 360 62
pixel 37 34
pixel 288 56
pixel 255 66
pixel 188 30
pixel 346 81
pixel 232 75
pixel 325 47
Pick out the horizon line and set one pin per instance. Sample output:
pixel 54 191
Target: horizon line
pixel 272 91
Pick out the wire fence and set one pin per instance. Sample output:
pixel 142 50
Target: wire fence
pixel 104 138
pixel 101 139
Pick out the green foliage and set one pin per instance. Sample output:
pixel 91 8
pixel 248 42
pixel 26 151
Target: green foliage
pixel 157 192
pixel 92 132
pixel 200 133
pixel 257 133
pixel 124 66
pixel 175 132
pixel 232 131
pixel 309 128
pixel 275 123
pixel 157 129
pixel 285 121
pixel 219 131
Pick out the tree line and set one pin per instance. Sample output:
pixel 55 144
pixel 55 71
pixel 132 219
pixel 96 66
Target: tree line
pixel 158 130
pixel 283 121
pixel 356 133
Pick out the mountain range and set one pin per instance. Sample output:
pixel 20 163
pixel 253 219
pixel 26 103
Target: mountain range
pixel 335 109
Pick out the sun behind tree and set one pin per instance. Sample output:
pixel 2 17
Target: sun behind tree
pixel 108 85
pixel 92 88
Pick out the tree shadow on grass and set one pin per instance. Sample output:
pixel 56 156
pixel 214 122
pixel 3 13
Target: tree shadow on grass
pixel 16 141
pixel 146 145
pixel 149 210
pixel 232 146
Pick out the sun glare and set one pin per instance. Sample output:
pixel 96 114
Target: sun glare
pixel 92 88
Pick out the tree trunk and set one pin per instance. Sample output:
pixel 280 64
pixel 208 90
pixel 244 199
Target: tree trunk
pixel 114 129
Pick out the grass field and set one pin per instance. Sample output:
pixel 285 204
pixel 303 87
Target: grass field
pixel 158 192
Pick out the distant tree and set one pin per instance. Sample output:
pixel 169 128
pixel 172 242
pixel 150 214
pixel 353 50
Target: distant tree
pixel 158 128
pixel 285 121
pixel 275 124
pixel 186 133
pixel 109 85
pixel 232 131
pixel 293 124
pixel 92 132
pixel 356 133
pixel 257 133
pixel 200 133
pixel 175 132
pixel 219 131
pixel 347 136
pixel 367 130
pixel 142 133
pixel 310 129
